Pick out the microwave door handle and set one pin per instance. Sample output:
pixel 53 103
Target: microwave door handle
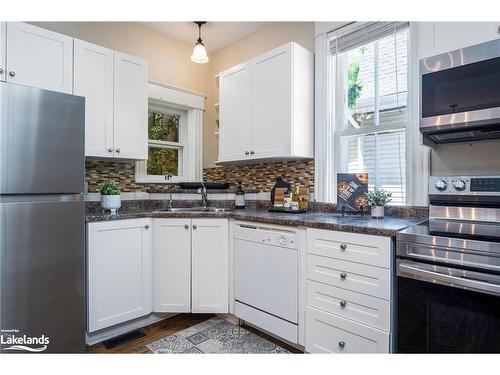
pixel 454 278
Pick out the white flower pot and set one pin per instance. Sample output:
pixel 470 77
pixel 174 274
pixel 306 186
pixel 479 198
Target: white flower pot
pixel 111 202
pixel 378 211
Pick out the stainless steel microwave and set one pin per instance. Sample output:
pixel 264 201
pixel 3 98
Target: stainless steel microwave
pixel 460 95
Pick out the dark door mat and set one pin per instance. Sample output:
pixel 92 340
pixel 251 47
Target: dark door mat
pixel 122 339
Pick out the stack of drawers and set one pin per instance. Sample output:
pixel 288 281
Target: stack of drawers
pixel 348 292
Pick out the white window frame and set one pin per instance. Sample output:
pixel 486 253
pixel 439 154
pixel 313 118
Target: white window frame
pixel 190 106
pixel 327 160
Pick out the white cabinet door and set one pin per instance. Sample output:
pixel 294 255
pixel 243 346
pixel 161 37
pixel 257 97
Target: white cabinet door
pixel 93 79
pixel 39 58
pixel 119 271
pixel 3 42
pixel 441 37
pixel 272 97
pixel 235 114
pixel 210 266
pixel 172 265
pixel 130 107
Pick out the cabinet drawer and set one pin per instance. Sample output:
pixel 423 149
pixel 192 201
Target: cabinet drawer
pixel 373 281
pixel 328 333
pixel 354 247
pixel 361 308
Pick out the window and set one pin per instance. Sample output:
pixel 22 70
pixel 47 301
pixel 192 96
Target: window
pixel 166 141
pixel 175 120
pixel 370 101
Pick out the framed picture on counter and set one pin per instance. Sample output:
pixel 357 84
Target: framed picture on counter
pixel 351 192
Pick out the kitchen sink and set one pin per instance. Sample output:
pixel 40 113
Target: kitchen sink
pixel 196 209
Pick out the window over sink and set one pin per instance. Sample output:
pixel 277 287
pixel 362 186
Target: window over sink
pixel 174 132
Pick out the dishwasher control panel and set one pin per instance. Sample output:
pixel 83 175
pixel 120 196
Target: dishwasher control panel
pixel 268 236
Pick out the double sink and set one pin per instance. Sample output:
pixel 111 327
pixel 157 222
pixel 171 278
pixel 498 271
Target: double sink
pixel 196 209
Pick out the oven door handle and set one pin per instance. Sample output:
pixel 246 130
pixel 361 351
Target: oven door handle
pixel 453 277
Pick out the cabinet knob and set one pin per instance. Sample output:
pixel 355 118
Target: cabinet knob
pixel 146 226
pixel 341 344
pixel 246 153
pixel 194 226
pixel 12 73
pixel 343 303
pixel 118 150
pixel 110 149
pixel 186 226
pixel 1 70
pixel 498 30
pixel 343 246
pixel 252 152
pixel 343 275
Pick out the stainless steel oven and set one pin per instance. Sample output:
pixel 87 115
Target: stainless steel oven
pixel 460 99
pixel 448 270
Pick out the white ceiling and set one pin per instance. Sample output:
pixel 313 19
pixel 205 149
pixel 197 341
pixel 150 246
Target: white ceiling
pixel 215 35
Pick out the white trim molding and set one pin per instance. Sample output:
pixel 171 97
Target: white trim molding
pixel 193 104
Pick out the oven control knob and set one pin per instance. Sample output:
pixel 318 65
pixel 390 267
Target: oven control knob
pixel 459 185
pixel 441 185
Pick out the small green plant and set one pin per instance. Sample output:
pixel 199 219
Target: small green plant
pixel 378 197
pixel 109 188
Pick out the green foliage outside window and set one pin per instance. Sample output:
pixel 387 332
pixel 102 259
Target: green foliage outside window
pixel 163 161
pixel 354 86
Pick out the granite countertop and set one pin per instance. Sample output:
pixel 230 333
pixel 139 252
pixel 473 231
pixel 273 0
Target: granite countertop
pixel 321 220
pixel 194 191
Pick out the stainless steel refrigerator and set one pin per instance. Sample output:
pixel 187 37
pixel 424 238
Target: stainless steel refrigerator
pixel 42 221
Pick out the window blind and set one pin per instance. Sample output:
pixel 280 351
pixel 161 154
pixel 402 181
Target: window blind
pixel 361 33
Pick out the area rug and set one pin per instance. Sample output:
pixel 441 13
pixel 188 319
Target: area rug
pixel 213 336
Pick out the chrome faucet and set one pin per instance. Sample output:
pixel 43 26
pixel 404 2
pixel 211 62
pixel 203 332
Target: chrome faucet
pixel 170 201
pixel 204 195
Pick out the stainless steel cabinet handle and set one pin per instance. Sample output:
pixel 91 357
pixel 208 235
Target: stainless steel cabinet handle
pixel 118 150
pixel 252 152
pixel 146 226
pixel 343 246
pixel 12 73
pixel 246 152
pixel 343 275
pixel 343 303
pixel 110 149
pixel 186 226
pixel 194 226
pixel 341 344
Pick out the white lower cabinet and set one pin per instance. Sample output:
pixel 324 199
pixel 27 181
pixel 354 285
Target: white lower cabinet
pixel 191 265
pixel 172 265
pixel 329 333
pixel 119 271
pixel 347 293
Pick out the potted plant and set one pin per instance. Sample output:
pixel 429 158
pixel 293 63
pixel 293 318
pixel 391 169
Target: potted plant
pixel 110 196
pixel 378 198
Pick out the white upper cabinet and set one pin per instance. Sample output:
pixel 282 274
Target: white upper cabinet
pixel 235 114
pixel 210 266
pixel 3 41
pixel 39 58
pixel 441 37
pixel 119 271
pixel 115 87
pixel 93 79
pixel 266 107
pixel 172 265
pixel 130 107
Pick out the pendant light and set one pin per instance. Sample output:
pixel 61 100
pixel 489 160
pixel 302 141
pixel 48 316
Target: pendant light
pixel 199 55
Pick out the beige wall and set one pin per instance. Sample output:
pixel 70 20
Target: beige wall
pixel 480 158
pixel 265 39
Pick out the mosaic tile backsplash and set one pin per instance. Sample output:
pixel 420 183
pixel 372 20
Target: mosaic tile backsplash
pixel 255 176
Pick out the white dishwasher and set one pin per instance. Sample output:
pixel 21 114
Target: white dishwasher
pixel 265 274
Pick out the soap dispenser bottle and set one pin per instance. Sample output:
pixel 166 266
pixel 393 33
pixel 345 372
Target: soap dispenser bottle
pixel 239 201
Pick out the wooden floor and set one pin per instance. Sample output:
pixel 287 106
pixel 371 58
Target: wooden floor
pixel 167 327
